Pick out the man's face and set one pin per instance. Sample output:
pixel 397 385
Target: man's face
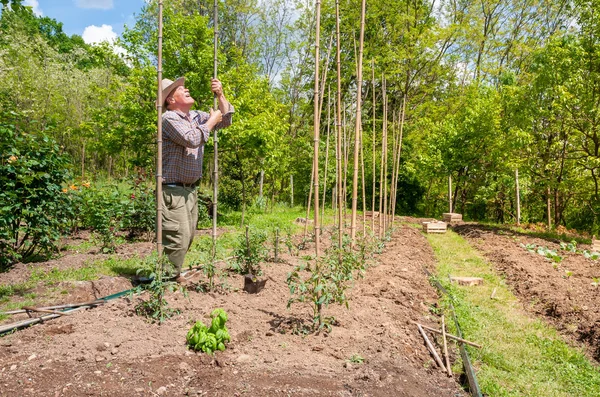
pixel 180 97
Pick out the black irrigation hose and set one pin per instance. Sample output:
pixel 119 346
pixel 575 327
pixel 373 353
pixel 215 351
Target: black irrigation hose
pixel 470 372
pixel 9 328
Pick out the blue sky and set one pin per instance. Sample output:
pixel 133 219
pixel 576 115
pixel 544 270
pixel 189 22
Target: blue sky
pixel 94 20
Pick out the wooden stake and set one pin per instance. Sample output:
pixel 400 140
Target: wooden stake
pixel 40 310
pixel 159 109
pixel 358 125
pixel 326 153
pixel 339 127
pixel 431 349
pixel 373 159
pixel 316 120
pixel 215 138
pixel 450 336
pixel 446 348
pixel 397 173
pixel 518 196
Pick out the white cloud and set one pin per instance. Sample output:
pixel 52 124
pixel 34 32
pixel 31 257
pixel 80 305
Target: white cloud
pixel 94 34
pixel 100 4
pixel 35 7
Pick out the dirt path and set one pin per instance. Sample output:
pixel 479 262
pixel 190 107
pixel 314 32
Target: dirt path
pixel 562 292
pixel 111 351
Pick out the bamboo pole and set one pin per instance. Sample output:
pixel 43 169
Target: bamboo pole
pixel 316 120
pixel 159 109
pixel 384 167
pixel 431 349
pixel 450 192
pixel 326 153
pixel 345 146
pixel 357 128
pixel 450 336
pixel 373 160
pixel 518 196
pixel 394 153
pixel 397 173
pixel 446 347
pixel 215 138
pixel 339 127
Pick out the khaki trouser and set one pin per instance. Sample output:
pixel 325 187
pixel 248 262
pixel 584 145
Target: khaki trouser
pixel 179 220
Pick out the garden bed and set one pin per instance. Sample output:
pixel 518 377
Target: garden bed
pixel 550 281
pixel 373 350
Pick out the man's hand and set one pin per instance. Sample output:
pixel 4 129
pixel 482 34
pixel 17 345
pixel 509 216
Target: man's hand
pixel 214 119
pixel 216 87
pixel 216 116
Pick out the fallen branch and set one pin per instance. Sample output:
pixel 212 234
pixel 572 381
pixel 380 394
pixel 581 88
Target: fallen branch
pixel 438 360
pixel 456 338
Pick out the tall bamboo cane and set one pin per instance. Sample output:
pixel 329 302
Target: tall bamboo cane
pixel 402 117
pixel 374 161
pixel 326 153
pixel 339 127
pixel 159 106
pixel 357 127
pixel 385 158
pixel 382 166
pixel 394 153
pixel 215 139
pixel 316 120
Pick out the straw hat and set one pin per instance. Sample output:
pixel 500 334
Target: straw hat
pixel 168 86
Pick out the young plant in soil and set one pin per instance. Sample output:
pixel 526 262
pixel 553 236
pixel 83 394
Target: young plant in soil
pixel 208 340
pixel 156 308
pixel 249 252
pixel 324 282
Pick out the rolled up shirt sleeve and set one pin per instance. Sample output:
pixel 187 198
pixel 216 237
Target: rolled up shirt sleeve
pixel 182 132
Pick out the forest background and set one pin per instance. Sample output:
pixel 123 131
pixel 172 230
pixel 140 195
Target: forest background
pixel 477 91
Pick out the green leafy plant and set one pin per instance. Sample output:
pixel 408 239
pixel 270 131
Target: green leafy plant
pixel 208 340
pixel 595 282
pixel 33 208
pixel 250 251
pixel 156 308
pixel 356 359
pixel 324 282
pixel 543 251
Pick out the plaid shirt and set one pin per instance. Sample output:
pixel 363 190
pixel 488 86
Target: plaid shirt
pixel 184 137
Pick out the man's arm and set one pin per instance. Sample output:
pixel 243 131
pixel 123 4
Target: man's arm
pixel 224 105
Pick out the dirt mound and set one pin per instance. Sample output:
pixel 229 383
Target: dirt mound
pixel 561 291
pixel 111 351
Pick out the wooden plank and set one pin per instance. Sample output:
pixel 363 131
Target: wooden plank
pixel 434 227
pixel 469 281
pixel 451 217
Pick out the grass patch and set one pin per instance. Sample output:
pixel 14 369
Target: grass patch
pixel 521 356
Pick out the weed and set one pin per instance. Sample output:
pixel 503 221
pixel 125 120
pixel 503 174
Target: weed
pixel 356 359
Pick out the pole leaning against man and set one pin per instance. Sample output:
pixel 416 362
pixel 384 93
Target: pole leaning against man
pixel 185 132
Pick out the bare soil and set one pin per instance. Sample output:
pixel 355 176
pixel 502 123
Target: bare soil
pixel 562 293
pixel 110 351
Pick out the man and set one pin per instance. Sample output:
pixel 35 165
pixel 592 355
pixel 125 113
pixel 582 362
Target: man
pixel 185 132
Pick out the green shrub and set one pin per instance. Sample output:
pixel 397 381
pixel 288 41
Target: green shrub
pixel 33 208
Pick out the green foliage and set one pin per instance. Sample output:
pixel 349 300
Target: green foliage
pixel 209 340
pixel 250 251
pixel 156 308
pixel 546 252
pixel 325 282
pixel 33 210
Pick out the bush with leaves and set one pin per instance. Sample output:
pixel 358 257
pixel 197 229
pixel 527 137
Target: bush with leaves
pixel 33 208
pixel 250 251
